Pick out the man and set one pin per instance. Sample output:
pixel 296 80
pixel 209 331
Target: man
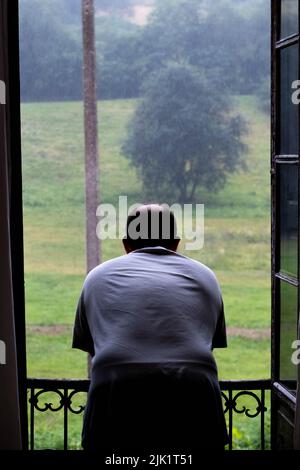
pixel 150 319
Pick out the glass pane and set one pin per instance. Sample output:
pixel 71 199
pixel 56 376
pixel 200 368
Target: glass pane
pixel 289 18
pixel 288 110
pixel 288 330
pixel 288 190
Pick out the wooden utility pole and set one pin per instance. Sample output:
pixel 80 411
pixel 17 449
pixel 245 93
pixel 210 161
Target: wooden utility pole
pixel 93 246
pixel 91 134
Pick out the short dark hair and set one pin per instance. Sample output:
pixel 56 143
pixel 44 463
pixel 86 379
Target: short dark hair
pixel 154 225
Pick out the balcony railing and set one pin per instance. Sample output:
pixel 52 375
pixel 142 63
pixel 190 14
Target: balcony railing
pixel 247 399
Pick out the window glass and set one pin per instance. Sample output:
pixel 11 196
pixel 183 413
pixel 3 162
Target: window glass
pixel 288 330
pixel 289 18
pixel 288 189
pixel 289 120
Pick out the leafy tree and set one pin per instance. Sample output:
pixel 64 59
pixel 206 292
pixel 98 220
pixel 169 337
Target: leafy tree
pixel 228 40
pixel 263 93
pixel 50 56
pixel 51 52
pixel 230 47
pixel 119 68
pixel 183 136
pixel 114 5
pixel 212 36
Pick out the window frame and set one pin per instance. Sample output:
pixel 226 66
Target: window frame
pixel 9 45
pixel 283 402
pixel 276 160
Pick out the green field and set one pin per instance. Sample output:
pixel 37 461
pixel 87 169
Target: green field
pixel 237 238
pixel 236 233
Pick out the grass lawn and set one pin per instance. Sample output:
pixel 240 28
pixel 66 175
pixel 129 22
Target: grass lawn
pixel 236 228
pixel 45 353
pixel 237 234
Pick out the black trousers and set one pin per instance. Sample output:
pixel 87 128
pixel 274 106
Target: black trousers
pixel 156 411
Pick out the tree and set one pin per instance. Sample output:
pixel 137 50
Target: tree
pixel 93 247
pixel 228 39
pixel 212 36
pixel 50 55
pixel 120 69
pixel 114 5
pixel 91 133
pixel 183 135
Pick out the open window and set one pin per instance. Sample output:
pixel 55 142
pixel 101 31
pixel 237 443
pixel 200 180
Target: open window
pixel 285 240
pixel 285 217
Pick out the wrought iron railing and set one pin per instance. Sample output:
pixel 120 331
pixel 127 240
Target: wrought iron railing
pixel 240 397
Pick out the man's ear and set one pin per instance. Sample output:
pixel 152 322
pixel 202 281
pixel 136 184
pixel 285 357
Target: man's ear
pixel 174 244
pixel 128 248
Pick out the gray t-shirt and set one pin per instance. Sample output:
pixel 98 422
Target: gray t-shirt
pixel 151 306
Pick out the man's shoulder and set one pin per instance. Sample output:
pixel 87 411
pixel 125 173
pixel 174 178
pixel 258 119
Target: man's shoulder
pixel 183 263
pixel 199 268
pixel 105 267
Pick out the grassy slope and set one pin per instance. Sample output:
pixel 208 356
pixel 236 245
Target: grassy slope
pixel 236 231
